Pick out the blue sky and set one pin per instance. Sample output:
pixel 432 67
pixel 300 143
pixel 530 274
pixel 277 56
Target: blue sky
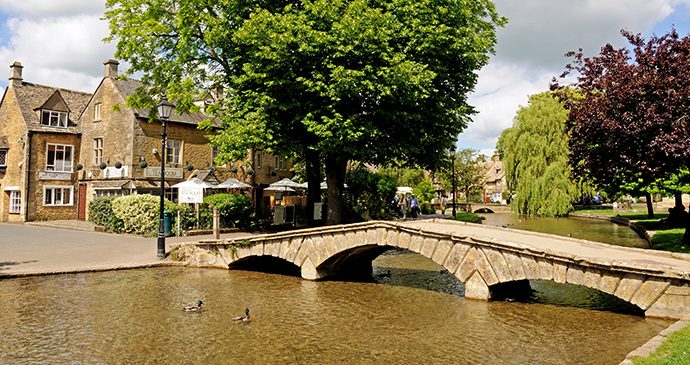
pixel 59 43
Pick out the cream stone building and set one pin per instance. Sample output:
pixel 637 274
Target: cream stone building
pixel 494 180
pixel 60 149
pixel 39 147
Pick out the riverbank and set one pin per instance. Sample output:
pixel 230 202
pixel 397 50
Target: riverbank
pixel 672 345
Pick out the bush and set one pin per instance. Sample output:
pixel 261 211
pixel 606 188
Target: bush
pixel 139 213
pixel 427 208
pixel 101 213
pixel 369 195
pixel 235 210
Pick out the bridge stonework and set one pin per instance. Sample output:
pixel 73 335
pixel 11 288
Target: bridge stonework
pixel 476 207
pixel 480 263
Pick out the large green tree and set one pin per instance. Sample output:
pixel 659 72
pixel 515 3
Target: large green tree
pixel 469 174
pixel 328 81
pixel 535 156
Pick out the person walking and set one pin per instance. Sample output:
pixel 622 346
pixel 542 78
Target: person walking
pixel 442 201
pixel 402 204
pixel 414 205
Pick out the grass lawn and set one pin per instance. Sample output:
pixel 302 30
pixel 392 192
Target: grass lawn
pixel 674 351
pixel 465 217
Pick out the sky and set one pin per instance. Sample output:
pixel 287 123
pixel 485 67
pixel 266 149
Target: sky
pixel 59 43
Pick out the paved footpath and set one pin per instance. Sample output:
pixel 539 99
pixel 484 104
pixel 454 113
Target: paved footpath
pixel 40 248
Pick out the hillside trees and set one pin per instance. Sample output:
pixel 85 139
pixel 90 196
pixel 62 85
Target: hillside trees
pixel 535 157
pixel 325 81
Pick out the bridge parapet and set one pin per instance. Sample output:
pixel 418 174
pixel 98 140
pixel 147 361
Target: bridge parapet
pixel 479 261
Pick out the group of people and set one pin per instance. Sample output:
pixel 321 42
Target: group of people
pixel 405 204
pixel 411 204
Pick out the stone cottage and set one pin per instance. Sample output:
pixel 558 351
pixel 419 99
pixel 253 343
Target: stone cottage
pixel 39 147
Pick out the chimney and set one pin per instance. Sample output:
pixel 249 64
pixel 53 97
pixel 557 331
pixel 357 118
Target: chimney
pixel 16 74
pixel 110 68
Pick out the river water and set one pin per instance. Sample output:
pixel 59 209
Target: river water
pixel 410 312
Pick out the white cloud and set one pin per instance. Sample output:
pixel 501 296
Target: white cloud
pixel 34 9
pixel 64 51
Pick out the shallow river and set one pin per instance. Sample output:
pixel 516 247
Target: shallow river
pixel 411 312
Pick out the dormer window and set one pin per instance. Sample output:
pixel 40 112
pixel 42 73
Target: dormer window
pixel 52 118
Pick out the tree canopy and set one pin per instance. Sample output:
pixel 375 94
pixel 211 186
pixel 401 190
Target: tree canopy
pixel 328 81
pixel 631 127
pixel 469 174
pixel 535 157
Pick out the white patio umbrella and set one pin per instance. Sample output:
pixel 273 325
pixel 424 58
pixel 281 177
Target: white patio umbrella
pixel 286 183
pixel 194 183
pixel 233 183
pixel 279 188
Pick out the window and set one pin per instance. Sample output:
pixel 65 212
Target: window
pixel 117 192
pixel 57 195
pixel 97 151
pixel 59 157
pixel 52 118
pixel 214 154
pixel 97 111
pixel 15 202
pixel 3 158
pixel 172 151
pixel 258 160
pixel 280 163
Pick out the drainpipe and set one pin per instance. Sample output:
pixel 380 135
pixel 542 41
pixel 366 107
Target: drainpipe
pixel 27 180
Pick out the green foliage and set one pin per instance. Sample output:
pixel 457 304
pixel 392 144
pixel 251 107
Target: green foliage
pixel 235 210
pixel 469 175
pixel 354 80
pixel 466 217
pixel 101 213
pixel 424 191
pixel 139 213
pixel 535 154
pixel 369 195
pixel 427 208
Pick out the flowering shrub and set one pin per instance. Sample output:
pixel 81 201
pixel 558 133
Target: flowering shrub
pixel 139 213
pixel 101 213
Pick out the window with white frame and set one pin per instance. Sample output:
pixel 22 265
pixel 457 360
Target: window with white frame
pixel 173 150
pixel 3 158
pixel 59 157
pixel 97 151
pixel 97 111
pixel 57 195
pixel 54 118
pixel 117 192
pixel 15 202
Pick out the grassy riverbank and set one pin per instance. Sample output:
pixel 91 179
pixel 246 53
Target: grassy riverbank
pixel 465 217
pixel 675 350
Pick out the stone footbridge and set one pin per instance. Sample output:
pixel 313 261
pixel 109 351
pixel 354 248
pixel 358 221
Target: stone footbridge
pixel 486 259
pixel 482 207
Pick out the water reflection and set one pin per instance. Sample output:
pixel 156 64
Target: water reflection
pixel 414 315
pixel 582 228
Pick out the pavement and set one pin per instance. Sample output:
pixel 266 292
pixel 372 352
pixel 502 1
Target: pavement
pixel 67 246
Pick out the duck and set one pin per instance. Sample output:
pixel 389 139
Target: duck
pixel 193 309
pixel 244 318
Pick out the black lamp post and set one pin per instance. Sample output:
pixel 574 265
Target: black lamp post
pixel 165 108
pixel 452 161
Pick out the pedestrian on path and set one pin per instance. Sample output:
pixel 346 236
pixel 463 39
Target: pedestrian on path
pixel 442 201
pixel 402 204
pixel 414 205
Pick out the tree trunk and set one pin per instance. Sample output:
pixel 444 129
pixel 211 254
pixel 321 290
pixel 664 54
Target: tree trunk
pixel 313 161
pixel 650 205
pixel 679 201
pixel 335 178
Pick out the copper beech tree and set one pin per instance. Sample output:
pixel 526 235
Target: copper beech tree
pixel 631 126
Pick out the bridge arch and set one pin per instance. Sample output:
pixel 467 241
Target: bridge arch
pixel 482 264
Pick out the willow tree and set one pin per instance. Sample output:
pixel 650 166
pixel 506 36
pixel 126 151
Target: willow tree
pixel 329 81
pixel 535 157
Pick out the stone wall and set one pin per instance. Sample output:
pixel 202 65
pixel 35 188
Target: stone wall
pixel 12 126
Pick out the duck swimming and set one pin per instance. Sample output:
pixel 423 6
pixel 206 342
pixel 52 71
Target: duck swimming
pixel 244 318
pixel 193 309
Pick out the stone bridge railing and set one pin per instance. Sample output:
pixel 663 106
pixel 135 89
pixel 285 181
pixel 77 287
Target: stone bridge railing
pixel 483 264
pixel 475 207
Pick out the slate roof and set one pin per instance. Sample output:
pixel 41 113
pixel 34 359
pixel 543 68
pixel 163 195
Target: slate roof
pixel 130 86
pixel 32 96
pixel 495 171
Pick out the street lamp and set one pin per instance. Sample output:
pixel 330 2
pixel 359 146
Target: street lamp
pixel 452 161
pixel 165 108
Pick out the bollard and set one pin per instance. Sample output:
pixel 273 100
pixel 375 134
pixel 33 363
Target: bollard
pixel 216 224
